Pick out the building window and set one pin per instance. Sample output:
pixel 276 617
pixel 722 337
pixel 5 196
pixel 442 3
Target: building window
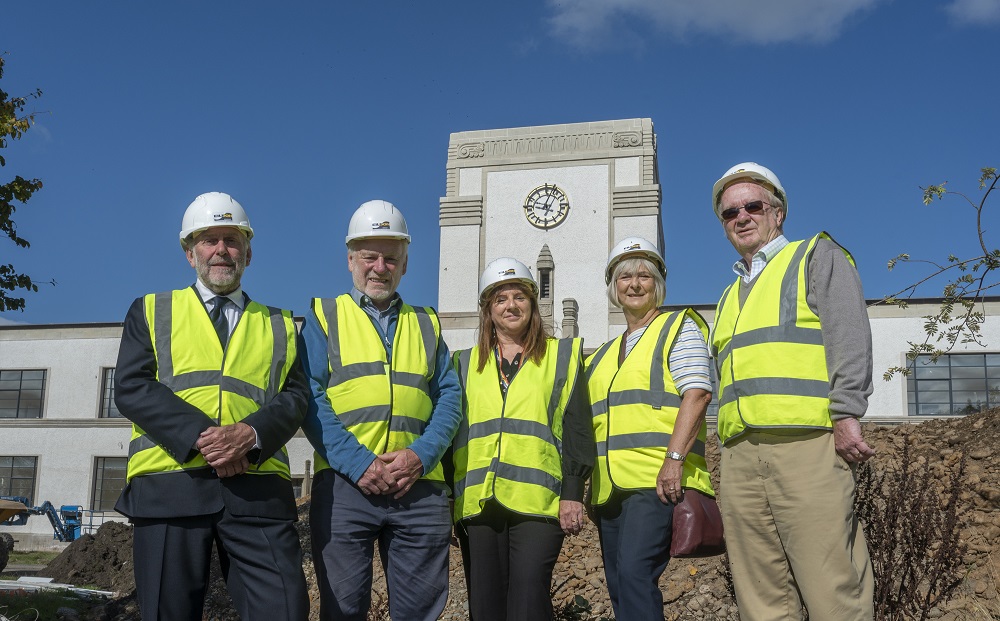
pixel 109 480
pixel 108 407
pixel 21 393
pixel 17 476
pixel 546 284
pixel 955 384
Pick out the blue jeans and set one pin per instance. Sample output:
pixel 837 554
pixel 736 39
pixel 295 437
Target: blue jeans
pixel 635 529
pixel 413 533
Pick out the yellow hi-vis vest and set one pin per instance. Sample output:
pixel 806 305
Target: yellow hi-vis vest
pixel 226 385
pixel 635 407
pixel 510 449
pixel 385 406
pixel 769 353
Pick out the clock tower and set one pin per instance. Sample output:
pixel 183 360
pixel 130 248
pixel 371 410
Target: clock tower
pixel 555 198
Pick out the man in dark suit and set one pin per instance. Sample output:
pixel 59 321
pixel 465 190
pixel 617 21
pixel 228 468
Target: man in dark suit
pixel 213 386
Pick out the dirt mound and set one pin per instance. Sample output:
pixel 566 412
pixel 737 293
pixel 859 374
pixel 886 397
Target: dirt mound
pixel 692 588
pixel 102 560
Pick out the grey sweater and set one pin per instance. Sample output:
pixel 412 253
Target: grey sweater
pixel 836 296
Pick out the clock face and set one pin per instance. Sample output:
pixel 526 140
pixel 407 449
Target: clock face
pixel 547 206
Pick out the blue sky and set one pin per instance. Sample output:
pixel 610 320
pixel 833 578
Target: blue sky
pixel 304 112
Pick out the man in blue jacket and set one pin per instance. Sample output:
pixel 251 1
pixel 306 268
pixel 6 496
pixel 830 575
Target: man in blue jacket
pixel 384 409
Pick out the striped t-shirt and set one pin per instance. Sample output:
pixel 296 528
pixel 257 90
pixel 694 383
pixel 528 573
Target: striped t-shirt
pixel 688 361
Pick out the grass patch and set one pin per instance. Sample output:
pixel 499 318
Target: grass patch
pixel 36 557
pixel 41 605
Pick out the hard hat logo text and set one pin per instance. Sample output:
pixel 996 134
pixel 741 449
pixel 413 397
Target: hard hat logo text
pixel 381 226
pixel 507 272
pixel 219 217
pixel 635 246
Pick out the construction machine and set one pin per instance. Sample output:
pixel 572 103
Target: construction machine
pixel 15 510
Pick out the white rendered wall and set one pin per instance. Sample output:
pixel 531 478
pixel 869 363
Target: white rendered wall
pixel 889 343
pixel 639 226
pixel 299 452
pixel 70 434
pixel 579 268
pixel 470 181
pixel 73 379
pixel 459 338
pixel 458 282
pixel 64 470
pixel 628 171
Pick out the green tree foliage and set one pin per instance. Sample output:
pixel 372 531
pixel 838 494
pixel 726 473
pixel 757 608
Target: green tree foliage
pixel 13 123
pixel 968 282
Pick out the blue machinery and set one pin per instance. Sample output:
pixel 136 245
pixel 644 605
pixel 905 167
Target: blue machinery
pixel 66 522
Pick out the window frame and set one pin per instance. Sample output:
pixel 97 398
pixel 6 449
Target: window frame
pixel 107 407
pixel 7 477
pixel 957 384
pixel 20 393
pixel 98 484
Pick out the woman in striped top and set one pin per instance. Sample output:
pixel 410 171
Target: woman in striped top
pixel 649 389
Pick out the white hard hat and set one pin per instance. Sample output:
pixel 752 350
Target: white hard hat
pixel 214 209
pixel 505 270
pixel 377 219
pixel 749 170
pixel 634 247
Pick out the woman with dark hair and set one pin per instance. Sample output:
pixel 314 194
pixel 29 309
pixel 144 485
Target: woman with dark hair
pixel 523 452
pixel 649 389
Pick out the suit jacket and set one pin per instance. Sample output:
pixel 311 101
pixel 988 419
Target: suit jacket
pixel 175 425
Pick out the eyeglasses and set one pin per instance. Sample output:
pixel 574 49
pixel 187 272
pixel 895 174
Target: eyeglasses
pixel 751 208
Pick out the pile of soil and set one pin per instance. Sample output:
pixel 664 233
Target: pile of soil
pixel 692 588
pixel 101 561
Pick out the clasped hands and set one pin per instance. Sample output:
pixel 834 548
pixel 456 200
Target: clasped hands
pixel 225 448
pixel 392 473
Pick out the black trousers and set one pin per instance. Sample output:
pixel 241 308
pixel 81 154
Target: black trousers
pixel 261 561
pixel 508 561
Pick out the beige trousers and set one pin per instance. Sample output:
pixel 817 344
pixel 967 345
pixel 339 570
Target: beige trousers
pixel 793 538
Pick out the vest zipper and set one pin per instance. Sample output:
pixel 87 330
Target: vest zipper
pixel 503 415
pixel 607 434
pixel 388 374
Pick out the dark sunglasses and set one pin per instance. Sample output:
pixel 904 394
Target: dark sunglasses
pixel 751 208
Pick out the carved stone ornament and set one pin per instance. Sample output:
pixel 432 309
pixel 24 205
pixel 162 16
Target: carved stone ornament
pixel 471 149
pixel 627 139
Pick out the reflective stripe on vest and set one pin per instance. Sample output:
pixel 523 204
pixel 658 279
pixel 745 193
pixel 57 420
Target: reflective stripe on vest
pixel 510 449
pixel 635 408
pixel 769 353
pixel 386 407
pixel 227 386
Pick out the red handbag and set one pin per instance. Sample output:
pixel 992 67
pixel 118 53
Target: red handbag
pixel 697 526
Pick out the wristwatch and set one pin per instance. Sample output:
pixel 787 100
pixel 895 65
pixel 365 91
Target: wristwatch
pixel 674 455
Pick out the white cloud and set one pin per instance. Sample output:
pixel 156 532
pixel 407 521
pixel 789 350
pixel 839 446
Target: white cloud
pixel 41 132
pixel 591 23
pixel 974 12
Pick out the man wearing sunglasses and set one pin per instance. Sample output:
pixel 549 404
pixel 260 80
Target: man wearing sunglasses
pixel 792 345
